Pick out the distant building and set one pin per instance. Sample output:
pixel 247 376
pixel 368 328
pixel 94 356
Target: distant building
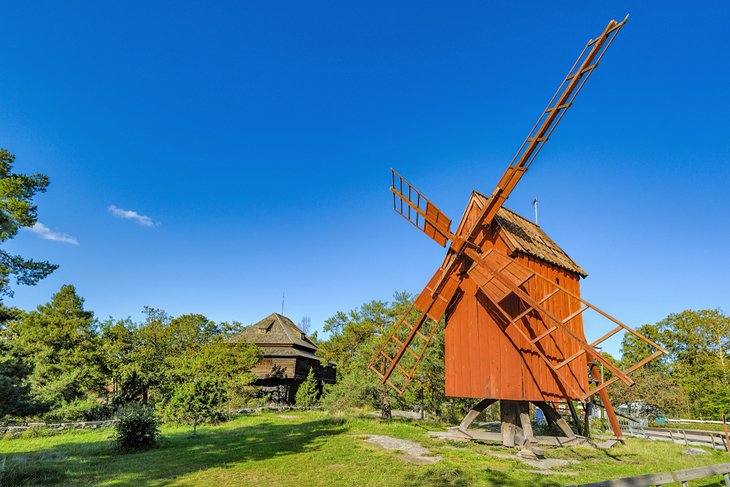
pixel 288 356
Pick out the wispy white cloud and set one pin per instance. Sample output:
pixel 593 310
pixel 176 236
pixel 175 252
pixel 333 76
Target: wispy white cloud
pixel 143 220
pixel 47 234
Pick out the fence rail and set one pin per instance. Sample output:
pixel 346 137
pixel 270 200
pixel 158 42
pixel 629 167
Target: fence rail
pixel 699 421
pixel 711 439
pixel 683 476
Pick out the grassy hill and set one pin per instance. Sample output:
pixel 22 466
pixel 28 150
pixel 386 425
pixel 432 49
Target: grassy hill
pixel 314 448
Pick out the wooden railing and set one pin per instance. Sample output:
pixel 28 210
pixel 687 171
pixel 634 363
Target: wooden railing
pixel 711 439
pixel 683 476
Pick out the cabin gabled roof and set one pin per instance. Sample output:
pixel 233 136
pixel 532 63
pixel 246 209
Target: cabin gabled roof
pixel 522 235
pixel 278 331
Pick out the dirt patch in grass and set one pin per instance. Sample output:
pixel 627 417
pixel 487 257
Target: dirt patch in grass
pixel 412 452
pixel 544 466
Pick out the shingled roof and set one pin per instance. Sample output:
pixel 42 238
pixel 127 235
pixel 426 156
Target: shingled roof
pixel 276 331
pixel 524 236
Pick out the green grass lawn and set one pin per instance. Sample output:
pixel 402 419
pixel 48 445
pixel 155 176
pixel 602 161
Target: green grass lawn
pixel 314 448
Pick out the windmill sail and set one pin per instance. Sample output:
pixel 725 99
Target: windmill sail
pixel 499 276
pixel 398 357
pixel 559 104
pixel 409 203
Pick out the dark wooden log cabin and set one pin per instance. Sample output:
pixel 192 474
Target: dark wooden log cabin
pixel 288 357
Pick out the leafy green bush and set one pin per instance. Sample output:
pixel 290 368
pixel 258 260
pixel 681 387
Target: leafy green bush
pixel 137 429
pixel 87 409
pixel 355 390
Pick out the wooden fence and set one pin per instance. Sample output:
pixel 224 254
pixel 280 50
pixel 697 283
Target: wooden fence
pixel 683 476
pixel 711 439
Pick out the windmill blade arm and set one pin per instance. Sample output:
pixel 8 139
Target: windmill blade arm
pixel 552 115
pixel 410 203
pixel 397 358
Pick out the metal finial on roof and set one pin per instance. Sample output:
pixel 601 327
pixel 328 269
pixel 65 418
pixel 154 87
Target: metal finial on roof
pixel 534 203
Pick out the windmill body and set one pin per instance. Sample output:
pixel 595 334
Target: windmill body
pixel 510 299
pixel 484 358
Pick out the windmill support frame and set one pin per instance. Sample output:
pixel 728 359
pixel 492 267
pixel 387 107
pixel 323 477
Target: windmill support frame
pixel 515 427
pixel 547 329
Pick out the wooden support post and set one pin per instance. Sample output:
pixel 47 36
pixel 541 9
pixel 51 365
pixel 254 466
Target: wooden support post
pixel 474 412
pixel 587 420
pixel 605 400
pixel 574 414
pixel 552 415
pixel 509 416
pixel 527 433
pixel 612 419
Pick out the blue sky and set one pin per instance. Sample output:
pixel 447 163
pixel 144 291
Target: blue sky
pixel 256 140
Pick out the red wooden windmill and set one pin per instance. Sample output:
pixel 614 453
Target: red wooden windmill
pixel 510 297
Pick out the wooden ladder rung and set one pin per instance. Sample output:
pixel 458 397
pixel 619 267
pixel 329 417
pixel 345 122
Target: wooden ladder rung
pixel 548 295
pixel 573 315
pixel 607 335
pixel 549 331
pixel 584 70
pixel 381 375
pixel 528 310
pixel 405 372
pixel 560 107
pixel 522 315
pixel 398 389
pixel 389 359
pixel 570 359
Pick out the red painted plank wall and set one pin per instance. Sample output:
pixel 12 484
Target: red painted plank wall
pixel 483 361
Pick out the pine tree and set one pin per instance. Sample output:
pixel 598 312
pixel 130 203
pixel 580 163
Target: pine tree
pixel 18 211
pixel 60 343
pixel 308 392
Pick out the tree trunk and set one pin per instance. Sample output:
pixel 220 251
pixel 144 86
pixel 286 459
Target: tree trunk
pixel 195 425
pixel 385 411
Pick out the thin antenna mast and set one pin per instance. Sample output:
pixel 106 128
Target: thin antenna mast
pixel 534 203
pixel 282 304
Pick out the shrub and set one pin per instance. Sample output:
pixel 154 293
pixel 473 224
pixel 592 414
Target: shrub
pixel 354 390
pixel 307 394
pixel 137 429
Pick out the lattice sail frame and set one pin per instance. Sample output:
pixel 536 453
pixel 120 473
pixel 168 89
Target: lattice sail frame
pixel 498 276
